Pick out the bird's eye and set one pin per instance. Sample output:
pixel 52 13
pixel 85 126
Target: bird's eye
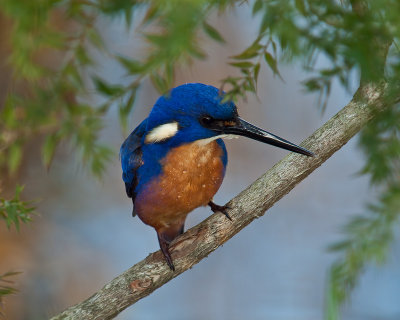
pixel 206 121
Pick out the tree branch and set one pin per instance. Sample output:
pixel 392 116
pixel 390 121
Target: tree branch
pixel 198 242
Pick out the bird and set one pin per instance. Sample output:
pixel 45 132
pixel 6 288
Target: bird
pixel 175 160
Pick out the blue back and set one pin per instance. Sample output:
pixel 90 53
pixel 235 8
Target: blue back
pixel 131 158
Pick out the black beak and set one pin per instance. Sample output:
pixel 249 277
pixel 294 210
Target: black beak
pixel 243 128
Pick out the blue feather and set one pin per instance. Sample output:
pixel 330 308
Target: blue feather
pixel 184 104
pixel 131 158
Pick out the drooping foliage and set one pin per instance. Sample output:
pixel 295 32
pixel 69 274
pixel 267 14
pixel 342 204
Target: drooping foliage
pixel 52 48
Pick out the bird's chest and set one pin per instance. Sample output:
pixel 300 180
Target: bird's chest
pixel 191 175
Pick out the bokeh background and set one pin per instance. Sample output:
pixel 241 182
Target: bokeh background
pixel 276 268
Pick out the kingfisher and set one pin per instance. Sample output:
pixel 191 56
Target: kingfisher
pixel 175 160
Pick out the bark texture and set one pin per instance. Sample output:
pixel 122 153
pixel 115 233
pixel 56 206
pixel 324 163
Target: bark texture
pixel 198 242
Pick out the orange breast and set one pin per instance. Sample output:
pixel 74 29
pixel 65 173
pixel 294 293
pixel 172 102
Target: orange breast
pixel 191 176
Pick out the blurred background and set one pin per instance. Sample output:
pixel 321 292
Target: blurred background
pixel 276 268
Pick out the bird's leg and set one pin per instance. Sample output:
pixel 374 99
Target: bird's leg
pixel 166 235
pixel 164 246
pixel 214 207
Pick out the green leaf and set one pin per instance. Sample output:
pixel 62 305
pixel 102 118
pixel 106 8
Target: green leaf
pixel 14 211
pixel 49 148
pixel 251 52
pixel 82 55
pixel 300 6
pixel 14 157
pixel 107 89
pixel 242 64
pixel 341 245
pixel 159 83
pixel 250 85
pixel 256 71
pixel 272 63
pixel 131 65
pixel 128 13
pixel 95 38
pixel 258 5
pixel 312 84
pixel 212 32
pixel 126 108
pixel 151 13
pixel 99 157
pixel 5 288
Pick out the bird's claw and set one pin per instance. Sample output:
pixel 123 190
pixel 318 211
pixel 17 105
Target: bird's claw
pixel 217 208
pixel 164 246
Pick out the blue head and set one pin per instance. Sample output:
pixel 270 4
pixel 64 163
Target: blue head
pixel 182 116
pixel 196 111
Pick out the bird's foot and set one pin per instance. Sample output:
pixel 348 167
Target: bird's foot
pixel 216 208
pixel 164 246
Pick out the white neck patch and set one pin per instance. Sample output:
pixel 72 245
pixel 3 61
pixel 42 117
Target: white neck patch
pixel 162 132
pixel 203 142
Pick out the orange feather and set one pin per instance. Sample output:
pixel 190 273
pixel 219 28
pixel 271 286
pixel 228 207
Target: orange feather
pixel 192 174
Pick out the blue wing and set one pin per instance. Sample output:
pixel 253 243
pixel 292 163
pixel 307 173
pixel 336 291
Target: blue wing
pixel 131 159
